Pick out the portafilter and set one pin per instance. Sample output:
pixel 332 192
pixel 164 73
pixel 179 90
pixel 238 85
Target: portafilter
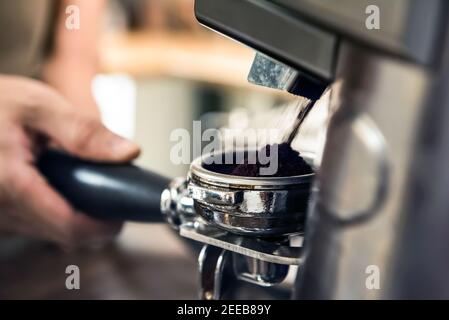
pixel 248 218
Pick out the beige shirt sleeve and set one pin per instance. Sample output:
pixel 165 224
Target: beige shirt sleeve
pixel 25 33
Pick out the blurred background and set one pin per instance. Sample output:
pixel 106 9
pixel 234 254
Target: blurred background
pixel 160 71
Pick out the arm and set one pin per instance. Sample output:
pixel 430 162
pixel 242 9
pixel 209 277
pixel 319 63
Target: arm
pixel 30 109
pixel 74 61
pixel 68 118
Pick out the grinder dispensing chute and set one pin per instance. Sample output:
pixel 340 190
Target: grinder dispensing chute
pixel 292 55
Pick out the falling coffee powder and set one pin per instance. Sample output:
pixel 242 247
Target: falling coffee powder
pixel 290 163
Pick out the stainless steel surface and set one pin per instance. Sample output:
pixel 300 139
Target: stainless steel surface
pixel 257 207
pixel 423 246
pixel 272 31
pixel 267 72
pixel 269 251
pixel 261 273
pixel 368 142
pixel 305 33
pixel 253 207
pixel 176 205
pixel 270 73
pixel 379 102
pixel 380 198
pixel 212 262
pixel 409 28
pixel 220 270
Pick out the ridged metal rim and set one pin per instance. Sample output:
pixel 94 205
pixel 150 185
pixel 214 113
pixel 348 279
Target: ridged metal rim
pixel 200 174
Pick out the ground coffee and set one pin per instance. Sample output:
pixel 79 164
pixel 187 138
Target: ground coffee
pixel 290 163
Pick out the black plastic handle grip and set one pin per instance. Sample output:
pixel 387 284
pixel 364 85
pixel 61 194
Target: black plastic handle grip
pixel 105 191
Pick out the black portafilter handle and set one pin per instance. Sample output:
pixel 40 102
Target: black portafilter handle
pixel 105 191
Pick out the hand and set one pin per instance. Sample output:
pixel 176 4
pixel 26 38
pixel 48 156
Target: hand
pixel 30 110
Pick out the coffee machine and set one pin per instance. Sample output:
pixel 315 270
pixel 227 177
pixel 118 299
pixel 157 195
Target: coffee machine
pixel 372 221
pixel 379 200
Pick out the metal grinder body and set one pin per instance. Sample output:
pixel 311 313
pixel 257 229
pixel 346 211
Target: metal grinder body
pixel 380 197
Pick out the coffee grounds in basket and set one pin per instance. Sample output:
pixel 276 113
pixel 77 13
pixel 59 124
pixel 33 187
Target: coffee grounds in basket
pixel 290 163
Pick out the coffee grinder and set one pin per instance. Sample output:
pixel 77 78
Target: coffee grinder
pixel 374 215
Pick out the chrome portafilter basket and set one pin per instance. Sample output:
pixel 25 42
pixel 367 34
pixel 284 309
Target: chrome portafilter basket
pixel 245 222
pixel 254 207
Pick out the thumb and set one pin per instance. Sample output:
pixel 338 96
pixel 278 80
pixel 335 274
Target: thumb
pixel 88 138
pixel 78 133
